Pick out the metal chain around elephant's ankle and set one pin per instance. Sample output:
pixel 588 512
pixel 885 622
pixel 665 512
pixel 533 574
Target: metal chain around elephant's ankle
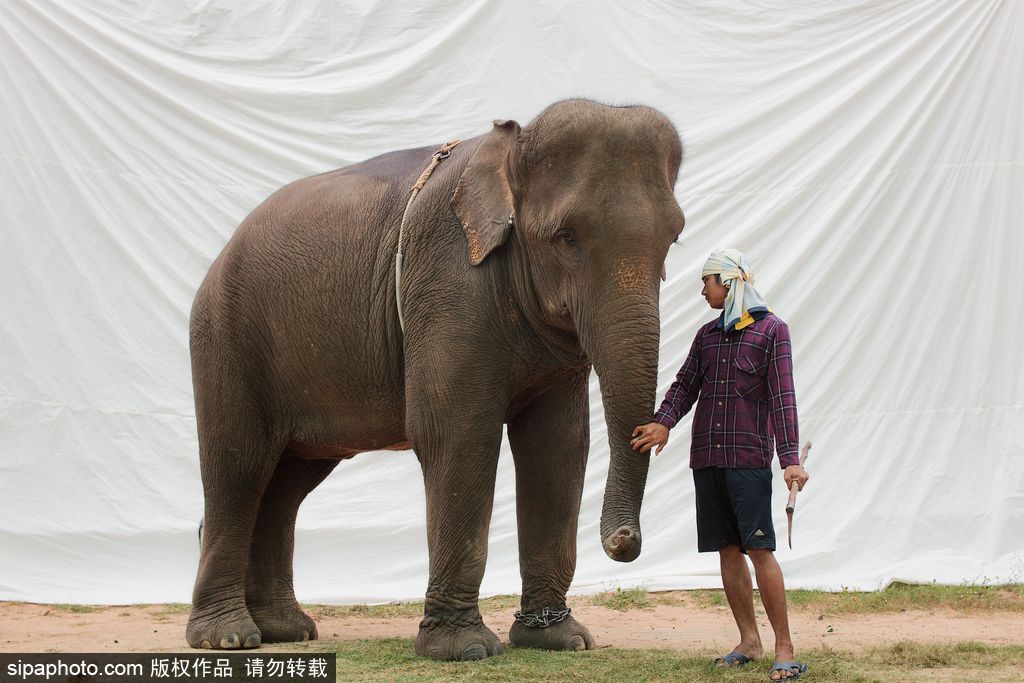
pixel 544 618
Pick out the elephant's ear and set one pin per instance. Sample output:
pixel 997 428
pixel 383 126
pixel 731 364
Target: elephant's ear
pixel 483 198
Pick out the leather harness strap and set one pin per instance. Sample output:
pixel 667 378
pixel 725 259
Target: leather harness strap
pixel 438 156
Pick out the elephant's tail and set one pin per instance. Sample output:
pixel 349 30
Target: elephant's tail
pixel 201 519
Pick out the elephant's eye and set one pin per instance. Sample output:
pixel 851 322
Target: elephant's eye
pixel 567 237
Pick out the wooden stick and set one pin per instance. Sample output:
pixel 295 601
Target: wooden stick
pixel 794 487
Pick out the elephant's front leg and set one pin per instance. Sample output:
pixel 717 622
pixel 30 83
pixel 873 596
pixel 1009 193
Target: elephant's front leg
pixel 550 439
pixel 458 448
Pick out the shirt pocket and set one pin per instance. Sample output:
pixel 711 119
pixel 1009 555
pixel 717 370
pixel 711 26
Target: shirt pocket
pixel 751 377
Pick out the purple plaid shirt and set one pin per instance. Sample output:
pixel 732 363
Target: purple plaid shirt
pixel 746 407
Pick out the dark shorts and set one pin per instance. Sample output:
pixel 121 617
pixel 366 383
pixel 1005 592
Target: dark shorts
pixel 734 507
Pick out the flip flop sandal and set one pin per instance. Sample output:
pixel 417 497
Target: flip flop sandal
pixel 732 659
pixel 795 668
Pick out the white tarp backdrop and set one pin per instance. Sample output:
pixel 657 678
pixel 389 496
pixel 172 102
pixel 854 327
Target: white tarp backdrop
pixel 868 156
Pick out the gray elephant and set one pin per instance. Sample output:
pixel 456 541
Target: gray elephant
pixel 529 256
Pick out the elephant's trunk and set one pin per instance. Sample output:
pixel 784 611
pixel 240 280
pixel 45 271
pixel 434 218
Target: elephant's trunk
pixel 624 351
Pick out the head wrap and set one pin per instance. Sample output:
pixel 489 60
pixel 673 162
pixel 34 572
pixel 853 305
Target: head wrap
pixel 744 304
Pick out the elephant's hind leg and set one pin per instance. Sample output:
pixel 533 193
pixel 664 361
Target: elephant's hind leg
pixel 237 464
pixel 269 592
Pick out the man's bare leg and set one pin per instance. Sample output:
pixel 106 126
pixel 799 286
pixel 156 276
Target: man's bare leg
pixel 772 587
pixel 740 593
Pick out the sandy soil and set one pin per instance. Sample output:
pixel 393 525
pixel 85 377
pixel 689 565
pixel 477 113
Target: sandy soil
pixel 26 627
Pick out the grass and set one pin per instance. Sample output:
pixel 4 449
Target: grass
pixel 394 660
pixel 918 661
pixel 77 609
pixel 171 609
pixel 394 610
pixel 623 600
pixel 898 597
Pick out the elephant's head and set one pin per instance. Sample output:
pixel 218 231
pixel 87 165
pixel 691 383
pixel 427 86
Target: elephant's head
pixel 583 197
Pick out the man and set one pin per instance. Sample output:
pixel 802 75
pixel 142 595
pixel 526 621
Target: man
pixel 740 373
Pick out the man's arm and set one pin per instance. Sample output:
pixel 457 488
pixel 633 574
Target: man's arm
pixel 783 397
pixel 681 396
pixel 678 400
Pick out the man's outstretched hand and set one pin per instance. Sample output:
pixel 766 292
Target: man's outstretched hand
pixel 648 435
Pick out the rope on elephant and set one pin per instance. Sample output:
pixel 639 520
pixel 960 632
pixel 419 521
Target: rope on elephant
pixel 437 157
pixel 544 618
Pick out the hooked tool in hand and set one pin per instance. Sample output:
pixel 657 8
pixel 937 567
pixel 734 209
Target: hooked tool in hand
pixel 794 488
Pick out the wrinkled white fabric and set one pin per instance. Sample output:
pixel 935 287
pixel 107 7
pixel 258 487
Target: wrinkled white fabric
pixel 862 152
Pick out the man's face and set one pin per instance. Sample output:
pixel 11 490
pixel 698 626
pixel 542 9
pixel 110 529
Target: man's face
pixel 714 291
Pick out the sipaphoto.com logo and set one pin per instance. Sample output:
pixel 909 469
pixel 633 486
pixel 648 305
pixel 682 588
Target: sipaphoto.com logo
pixel 69 670
pixel 141 667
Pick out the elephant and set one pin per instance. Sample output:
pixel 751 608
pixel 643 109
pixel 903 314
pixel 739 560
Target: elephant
pixel 529 256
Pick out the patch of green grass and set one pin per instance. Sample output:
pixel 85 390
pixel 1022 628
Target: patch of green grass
pixel 623 600
pixel 161 610
pixel 499 602
pixel 389 611
pixel 900 597
pixel 395 660
pixel 393 610
pixel 910 655
pixel 77 609
pixel 709 598
pixel 171 609
pixel 638 598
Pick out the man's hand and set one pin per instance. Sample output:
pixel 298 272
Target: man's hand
pixel 798 474
pixel 648 435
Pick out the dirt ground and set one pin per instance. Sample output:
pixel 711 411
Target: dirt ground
pixel 26 627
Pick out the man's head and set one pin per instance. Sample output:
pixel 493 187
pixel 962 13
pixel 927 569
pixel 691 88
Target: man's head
pixel 714 292
pixel 729 286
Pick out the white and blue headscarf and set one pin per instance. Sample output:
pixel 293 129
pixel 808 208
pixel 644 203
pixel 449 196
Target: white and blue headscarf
pixel 744 304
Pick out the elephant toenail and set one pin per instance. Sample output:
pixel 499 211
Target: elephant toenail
pixel 576 644
pixel 474 652
pixel 230 641
pixel 206 645
pixel 253 640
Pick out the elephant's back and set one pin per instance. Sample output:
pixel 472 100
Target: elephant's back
pixel 305 289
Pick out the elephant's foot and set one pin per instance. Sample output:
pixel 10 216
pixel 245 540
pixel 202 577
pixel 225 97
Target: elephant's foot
pixel 567 634
pixel 455 643
pixel 283 623
pixel 222 629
